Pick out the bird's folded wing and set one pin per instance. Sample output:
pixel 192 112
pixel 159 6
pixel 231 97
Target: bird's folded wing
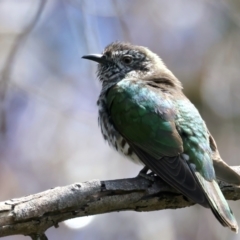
pixel 177 173
pixel 154 138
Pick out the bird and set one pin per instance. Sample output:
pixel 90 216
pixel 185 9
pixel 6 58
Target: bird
pixel 145 116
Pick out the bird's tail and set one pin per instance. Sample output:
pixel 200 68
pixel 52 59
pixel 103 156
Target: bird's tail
pixel 218 203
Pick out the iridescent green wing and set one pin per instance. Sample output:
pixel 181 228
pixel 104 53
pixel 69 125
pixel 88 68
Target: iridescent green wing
pixel 145 117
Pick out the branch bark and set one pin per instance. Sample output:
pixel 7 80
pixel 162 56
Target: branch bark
pixel 34 214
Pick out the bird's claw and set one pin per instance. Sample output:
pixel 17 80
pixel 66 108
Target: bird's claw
pixel 149 176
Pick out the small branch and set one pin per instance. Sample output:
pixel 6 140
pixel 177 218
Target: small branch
pixel 34 214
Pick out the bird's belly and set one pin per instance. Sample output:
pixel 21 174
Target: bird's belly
pixel 114 139
pixel 124 149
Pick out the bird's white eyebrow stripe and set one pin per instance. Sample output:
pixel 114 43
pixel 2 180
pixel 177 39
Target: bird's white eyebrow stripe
pixel 125 51
pixel 137 54
pixel 121 52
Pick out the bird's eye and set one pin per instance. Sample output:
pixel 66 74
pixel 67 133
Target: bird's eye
pixel 127 59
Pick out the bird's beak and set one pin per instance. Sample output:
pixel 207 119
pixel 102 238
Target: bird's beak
pixel 95 57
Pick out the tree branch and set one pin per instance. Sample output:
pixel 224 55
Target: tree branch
pixel 34 214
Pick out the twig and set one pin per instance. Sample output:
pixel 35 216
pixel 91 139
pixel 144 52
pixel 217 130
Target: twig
pixel 5 75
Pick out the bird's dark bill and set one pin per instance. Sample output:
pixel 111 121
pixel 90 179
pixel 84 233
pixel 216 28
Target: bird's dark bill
pixel 95 57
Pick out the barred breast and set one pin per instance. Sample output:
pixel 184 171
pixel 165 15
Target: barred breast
pixel 110 134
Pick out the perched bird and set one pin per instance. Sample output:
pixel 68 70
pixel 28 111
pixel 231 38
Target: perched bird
pixel 144 115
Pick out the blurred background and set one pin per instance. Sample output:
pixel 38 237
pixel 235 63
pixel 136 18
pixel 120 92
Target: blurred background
pixel 49 134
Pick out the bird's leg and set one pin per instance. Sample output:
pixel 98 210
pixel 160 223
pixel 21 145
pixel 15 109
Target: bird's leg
pixel 143 173
pixel 144 170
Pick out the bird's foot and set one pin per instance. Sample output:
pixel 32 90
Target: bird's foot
pixel 149 176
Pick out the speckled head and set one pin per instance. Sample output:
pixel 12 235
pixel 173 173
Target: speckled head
pixel 123 60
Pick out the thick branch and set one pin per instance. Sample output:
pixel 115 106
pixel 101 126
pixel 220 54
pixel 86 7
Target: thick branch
pixel 34 214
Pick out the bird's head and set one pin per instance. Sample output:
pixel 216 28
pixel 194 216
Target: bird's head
pixel 123 60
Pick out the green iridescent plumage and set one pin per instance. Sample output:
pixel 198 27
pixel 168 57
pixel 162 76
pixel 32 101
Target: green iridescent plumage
pixel 138 115
pixel 157 126
pixel 144 114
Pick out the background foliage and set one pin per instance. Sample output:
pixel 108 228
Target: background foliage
pixel 48 115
